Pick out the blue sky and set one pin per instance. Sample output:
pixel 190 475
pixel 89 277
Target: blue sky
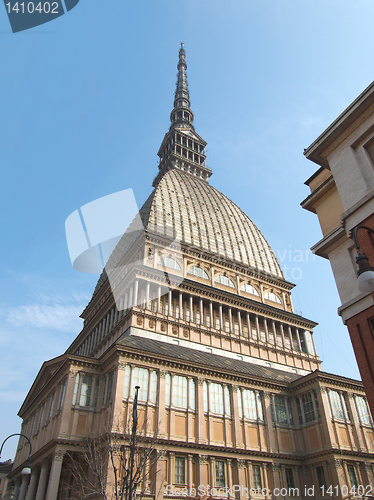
pixel 85 104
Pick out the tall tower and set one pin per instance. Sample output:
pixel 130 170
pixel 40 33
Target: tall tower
pixel 202 321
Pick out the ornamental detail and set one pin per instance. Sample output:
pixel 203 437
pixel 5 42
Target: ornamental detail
pixel 152 323
pixel 174 330
pixel 58 455
pixel 335 464
pixel 139 321
pixel 186 333
pixel 163 327
pixel 121 365
pixel 161 454
pixel 200 381
pixel 241 464
pixel 275 467
pixel 203 459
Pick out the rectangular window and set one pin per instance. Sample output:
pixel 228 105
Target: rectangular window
pixel 249 404
pixel 352 476
pixel 321 476
pixel 339 408
pixel 140 378
pixel 362 410
pixel 289 478
pixel 205 392
pixel 308 407
pixel 51 406
pixel 227 401
pixel 180 391
pixel 192 394
pixel 280 410
pixel 126 385
pixel 62 395
pixel 216 398
pixel 109 388
pixel 257 478
pixel 180 471
pixel 153 395
pixel 167 389
pixel 220 473
pixel 86 389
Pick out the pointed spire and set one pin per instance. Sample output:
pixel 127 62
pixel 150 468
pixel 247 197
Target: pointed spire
pixel 182 148
pixel 182 116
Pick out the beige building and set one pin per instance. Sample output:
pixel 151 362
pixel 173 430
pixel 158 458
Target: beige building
pixel 342 196
pixel 197 313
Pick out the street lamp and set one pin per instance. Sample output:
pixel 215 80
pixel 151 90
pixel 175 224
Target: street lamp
pixel 26 471
pixel 365 270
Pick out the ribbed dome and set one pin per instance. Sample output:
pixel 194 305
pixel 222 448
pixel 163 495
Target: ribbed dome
pixel 204 218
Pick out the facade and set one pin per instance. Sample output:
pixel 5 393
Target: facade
pixel 202 321
pixel 342 196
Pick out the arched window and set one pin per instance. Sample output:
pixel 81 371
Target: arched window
pixel 249 289
pixel 169 262
pixel 224 280
pixel 198 271
pixel 272 297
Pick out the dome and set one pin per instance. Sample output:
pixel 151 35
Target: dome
pixel 203 218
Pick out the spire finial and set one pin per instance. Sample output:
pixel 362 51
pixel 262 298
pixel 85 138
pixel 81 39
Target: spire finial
pixel 182 115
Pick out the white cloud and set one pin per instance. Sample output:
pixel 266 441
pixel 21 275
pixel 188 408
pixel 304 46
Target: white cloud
pixel 43 315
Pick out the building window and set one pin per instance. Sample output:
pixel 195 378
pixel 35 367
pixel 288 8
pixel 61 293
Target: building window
pixel 62 395
pixel 85 390
pixel 170 263
pixel 182 389
pixel 51 401
pixel 147 381
pixel 109 387
pixel 307 407
pixel 362 410
pixel 281 410
pixel 338 405
pixel 257 478
pixel 224 280
pixel 40 420
pixel 321 476
pixel 199 272
pixel 290 481
pixel 217 398
pixel 249 289
pixel 220 473
pixel 352 476
pixel 250 404
pixel 180 470
pixel 272 297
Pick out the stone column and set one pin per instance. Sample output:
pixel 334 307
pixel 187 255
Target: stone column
pixel 230 320
pixel 298 340
pixel 17 484
pixel 160 474
pixel 220 317
pixel 170 312
pixel 356 428
pixel 249 325
pixel 54 477
pixel 265 477
pixel 241 479
pixel 201 306
pixel 136 293
pixel 274 332
pixel 200 412
pixel 257 327
pixel 282 334
pixel 202 470
pixel 240 324
pixel 290 335
pixel 180 305
pixel 42 484
pixel 191 308
pixel 162 431
pixel 211 314
pixel 158 299
pixel 212 481
pixel 266 330
pixel 25 483
pixel 236 420
pixel 147 295
pixel 229 477
pixel 328 429
pixel 31 492
pixel 171 457
pixel 189 471
pixel 269 422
